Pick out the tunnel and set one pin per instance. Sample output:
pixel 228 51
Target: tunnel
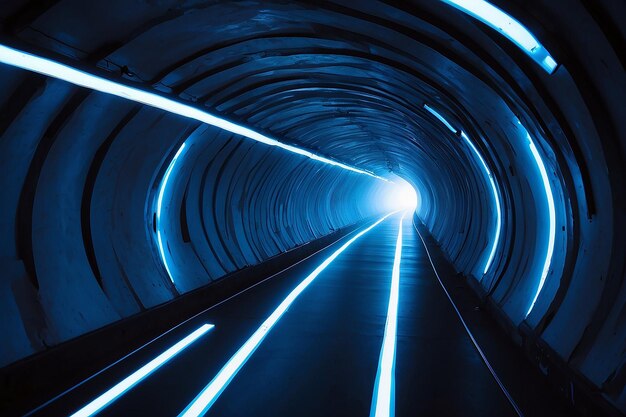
pixel 313 207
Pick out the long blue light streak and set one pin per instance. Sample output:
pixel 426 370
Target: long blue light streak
pixel 492 184
pixel 551 218
pixel 383 400
pixel 209 394
pixel 160 195
pixel 30 62
pixel 509 28
pixel 496 199
pixel 136 377
pixel 440 118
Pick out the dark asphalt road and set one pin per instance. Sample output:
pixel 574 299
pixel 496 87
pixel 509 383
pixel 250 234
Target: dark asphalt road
pixel 322 356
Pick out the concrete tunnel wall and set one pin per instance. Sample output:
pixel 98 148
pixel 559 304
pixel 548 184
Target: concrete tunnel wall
pixel 81 169
pixel 94 259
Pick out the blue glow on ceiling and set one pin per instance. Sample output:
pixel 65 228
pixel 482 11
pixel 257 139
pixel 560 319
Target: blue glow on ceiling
pixel 30 62
pixel 509 28
pixel 209 394
pixel 492 184
pixel 139 375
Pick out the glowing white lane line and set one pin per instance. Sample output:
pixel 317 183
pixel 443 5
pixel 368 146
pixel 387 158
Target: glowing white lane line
pixel 492 184
pixel 508 27
pixel 383 400
pixel 161 193
pixel 133 379
pixel 30 62
pixel 496 199
pixel 209 394
pixel 552 219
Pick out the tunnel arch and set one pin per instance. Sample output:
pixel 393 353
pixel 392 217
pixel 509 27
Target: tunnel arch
pixel 82 169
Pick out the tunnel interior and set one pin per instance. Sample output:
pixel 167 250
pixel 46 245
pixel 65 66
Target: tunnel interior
pixel 308 118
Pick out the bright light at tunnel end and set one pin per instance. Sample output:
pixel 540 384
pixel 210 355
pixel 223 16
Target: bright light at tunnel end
pixel 400 195
pixel 440 118
pixel 159 207
pixel 45 66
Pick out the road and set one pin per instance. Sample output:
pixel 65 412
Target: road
pixel 322 355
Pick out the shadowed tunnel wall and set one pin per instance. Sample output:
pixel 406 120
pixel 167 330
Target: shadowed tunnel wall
pixel 95 258
pixel 81 170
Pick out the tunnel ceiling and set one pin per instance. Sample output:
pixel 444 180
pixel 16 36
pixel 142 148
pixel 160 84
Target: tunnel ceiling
pixel 346 81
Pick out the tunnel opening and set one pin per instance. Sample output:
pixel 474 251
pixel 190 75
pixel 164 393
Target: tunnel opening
pixel 400 196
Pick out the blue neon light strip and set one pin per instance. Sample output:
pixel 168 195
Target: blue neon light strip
pixel 136 377
pixel 551 217
pixel 383 400
pixel 496 199
pixel 209 394
pixel 440 118
pixel 492 183
pixel 161 193
pixel 63 72
pixel 509 28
